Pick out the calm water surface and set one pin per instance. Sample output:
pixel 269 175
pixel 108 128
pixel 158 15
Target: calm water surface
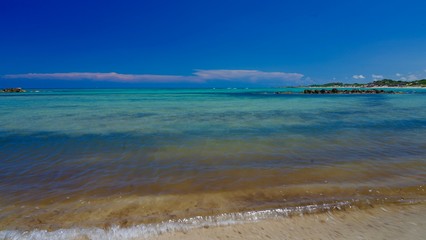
pixel 78 159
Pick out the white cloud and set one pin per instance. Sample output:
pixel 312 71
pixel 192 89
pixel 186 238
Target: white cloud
pixel 358 76
pixel 377 76
pixel 398 74
pixel 111 77
pixel 251 75
pixel 198 76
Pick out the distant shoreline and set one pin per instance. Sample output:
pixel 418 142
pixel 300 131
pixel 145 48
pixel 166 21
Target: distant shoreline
pixel 404 87
pixel 384 83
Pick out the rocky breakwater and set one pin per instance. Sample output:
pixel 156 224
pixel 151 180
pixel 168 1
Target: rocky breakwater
pixel 347 91
pixel 12 90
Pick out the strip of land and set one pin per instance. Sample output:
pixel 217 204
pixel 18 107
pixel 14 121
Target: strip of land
pixel 12 90
pixel 345 91
pixel 376 84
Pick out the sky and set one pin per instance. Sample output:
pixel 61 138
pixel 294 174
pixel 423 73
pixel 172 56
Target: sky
pixel 217 43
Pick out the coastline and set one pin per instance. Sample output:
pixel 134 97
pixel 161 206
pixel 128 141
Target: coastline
pixel 381 222
pixel 384 87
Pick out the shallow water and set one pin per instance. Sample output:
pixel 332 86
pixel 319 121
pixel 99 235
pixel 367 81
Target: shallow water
pixel 122 157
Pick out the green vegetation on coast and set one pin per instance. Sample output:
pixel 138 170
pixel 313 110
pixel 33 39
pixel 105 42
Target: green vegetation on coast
pixel 378 83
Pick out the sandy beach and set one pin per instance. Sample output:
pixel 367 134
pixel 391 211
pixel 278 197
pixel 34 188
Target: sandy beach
pixel 381 222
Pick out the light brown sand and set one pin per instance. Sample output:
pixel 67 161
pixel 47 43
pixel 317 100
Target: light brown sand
pixel 402 222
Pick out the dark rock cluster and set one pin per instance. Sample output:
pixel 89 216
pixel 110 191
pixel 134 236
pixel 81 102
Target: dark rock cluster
pixel 12 90
pixel 346 91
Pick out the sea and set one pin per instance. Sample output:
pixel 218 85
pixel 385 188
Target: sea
pixel 133 163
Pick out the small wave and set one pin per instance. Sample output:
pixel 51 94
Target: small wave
pixel 149 230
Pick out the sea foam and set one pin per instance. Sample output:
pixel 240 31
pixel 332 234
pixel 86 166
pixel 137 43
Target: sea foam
pixel 182 225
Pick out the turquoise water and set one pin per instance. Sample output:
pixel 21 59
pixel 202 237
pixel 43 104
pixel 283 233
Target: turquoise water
pixel 201 152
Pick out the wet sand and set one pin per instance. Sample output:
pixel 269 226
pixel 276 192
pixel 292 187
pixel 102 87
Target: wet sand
pixel 381 222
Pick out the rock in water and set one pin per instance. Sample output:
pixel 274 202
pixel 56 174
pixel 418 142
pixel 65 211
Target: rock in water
pixel 13 90
pixel 346 91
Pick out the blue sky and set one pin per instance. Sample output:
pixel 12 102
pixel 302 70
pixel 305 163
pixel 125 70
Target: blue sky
pixel 232 43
